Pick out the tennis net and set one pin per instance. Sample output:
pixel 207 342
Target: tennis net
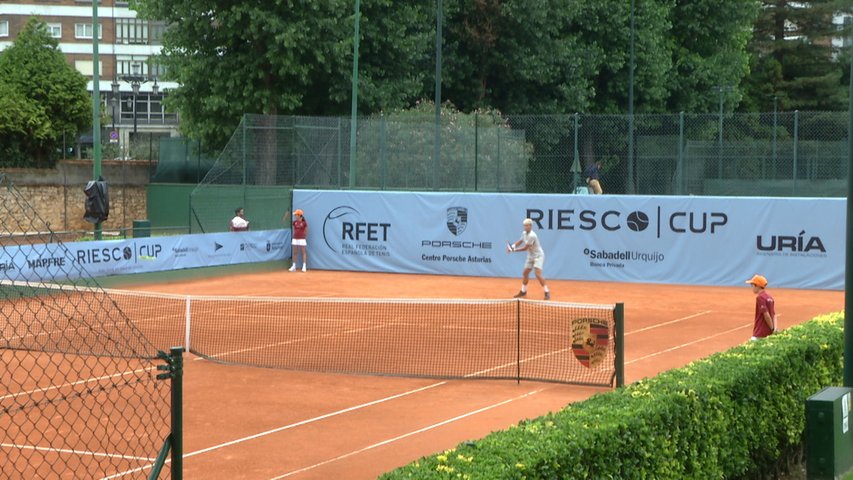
pixel 499 339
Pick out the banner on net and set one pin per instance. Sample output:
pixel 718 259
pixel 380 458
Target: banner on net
pixel 52 261
pixel 797 242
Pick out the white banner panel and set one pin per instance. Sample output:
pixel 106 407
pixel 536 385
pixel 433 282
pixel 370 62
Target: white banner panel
pixel 140 255
pixel 797 243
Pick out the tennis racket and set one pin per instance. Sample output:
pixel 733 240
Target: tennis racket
pixel 509 248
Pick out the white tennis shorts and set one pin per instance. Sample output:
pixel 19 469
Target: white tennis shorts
pixel 299 242
pixel 537 262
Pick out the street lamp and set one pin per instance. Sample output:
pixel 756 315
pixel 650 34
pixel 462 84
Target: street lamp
pixel 721 89
pixel 135 81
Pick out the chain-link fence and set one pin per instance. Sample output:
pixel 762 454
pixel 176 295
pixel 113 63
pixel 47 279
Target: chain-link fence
pixel 79 395
pixel 770 154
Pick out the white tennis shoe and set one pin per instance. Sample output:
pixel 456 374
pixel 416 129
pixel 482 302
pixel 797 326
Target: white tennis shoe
pixel 292 268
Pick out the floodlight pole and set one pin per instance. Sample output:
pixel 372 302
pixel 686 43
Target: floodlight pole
pixel 631 62
pixel 436 160
pixel 353 154
pixel 96 106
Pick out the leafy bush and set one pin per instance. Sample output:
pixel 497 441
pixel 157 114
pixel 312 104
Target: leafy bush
pixel 731 415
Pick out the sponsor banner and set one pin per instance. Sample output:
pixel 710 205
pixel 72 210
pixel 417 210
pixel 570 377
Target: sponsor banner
pixel 141 255
pixel 797 243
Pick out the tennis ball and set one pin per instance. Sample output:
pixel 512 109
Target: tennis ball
pixel 638 221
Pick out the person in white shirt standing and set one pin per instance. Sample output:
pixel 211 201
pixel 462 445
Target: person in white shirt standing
pixel 239 222
pixel 529 242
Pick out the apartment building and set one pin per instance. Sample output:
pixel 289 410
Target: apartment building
pixel 130 79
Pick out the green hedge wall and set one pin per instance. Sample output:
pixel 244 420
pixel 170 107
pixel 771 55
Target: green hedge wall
pixel 732 415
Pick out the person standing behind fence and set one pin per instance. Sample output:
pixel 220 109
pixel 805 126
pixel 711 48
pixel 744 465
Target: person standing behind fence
pixel 592 176
pixel 300 240
pixel 239 222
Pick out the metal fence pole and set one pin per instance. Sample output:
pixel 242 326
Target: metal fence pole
pixel 498 163
pixel 680 177
pixel 619 335
pixel 177 413
pixel 720 140
pixel 340 174
pixel 848 274
pixel 775 129
pixel 383 153
pixel 245 121
pixel 796 148
pixel 476 147
pixel 576 152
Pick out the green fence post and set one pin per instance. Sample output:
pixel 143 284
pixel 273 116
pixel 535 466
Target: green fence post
pixel 576 152
pixel 796 147
pixel 619 335
pixel 177 440
pixel 383 154
pixel 340 177
pixel 476 146
pixel 680 177
pixel 498 163
pixel 174 443
pixel 848 273
pixel 245 120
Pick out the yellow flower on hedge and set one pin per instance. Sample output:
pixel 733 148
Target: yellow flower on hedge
pixel 519 466
pixel 464 458
pixel 445 468
pixel 441 458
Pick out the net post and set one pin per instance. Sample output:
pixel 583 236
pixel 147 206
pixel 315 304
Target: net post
pixel 518 341
pixel 619 338
pixel 177 437
pixel 187 317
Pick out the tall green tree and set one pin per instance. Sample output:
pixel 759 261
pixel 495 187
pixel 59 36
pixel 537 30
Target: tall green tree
pixel 794 58
pixel 287 57
pixel 709 49
pixel 49 96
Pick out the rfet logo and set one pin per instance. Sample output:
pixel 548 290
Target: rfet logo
pixel 457 220
pixel 345 231
pixel 590 340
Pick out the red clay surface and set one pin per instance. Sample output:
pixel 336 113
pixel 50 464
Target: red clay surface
pixel 263 424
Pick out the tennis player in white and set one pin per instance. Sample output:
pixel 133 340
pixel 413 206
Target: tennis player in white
pixel 529 242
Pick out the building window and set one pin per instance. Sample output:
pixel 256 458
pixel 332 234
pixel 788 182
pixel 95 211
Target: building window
pixel 55 30
pixel 131 31
pixel 157 30
pixel 148 110
pixel 86 67
pixel 135 65
pixel 4 28
pixel 84 30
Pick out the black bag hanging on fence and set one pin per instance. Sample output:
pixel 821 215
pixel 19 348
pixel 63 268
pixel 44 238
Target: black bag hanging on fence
pixel 97 201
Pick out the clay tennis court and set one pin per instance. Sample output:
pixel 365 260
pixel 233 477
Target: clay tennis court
pixel 257 423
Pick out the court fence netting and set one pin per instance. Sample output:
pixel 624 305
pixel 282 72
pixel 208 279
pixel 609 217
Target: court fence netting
pixel 445 338
pixel 81 394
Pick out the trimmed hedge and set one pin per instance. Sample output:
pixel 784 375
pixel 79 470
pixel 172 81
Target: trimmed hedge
pixel 732 415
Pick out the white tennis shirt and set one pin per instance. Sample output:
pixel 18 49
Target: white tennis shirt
pixel 534 250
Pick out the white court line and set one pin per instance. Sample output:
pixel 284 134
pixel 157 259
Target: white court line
pixel 88 327
pixel 687 344
pixel 75 452
pixel 287 427
pixel 406 435
pixel 289 342
pixel 79 382
pixel 668 323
